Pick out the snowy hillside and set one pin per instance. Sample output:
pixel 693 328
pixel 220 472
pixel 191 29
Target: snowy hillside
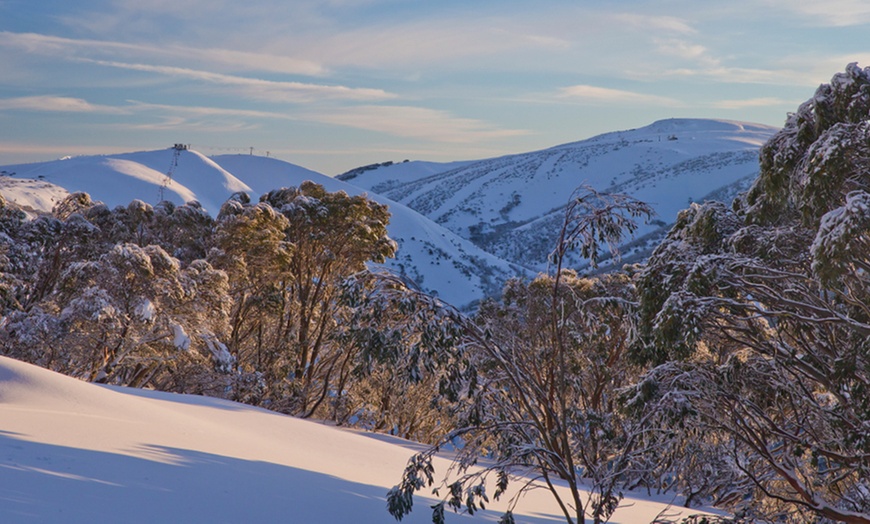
pixel 31 195
pixel 511 206
pixel 180 176
pixel 387 175
pixel 75 452
pixel 436 259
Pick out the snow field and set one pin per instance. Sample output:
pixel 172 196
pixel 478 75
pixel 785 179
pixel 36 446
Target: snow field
pixel 76 452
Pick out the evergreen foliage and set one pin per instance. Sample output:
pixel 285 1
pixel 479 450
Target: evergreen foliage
pixel 763 333
pixel 245 306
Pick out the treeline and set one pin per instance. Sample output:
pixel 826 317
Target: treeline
pixel 732 367
pixel 249 305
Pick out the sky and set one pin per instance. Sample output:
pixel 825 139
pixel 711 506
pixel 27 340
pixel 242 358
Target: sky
pixel 335 84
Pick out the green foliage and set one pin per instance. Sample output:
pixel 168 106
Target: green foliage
pixel 410 364
pixel 818 157
pixel 671 276
pixel 333 236
pixel 761 332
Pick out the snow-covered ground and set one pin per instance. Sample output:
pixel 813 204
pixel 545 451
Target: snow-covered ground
pixel 74 452
pixel 32 195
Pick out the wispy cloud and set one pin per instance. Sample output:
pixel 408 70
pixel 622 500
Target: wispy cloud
pixel 754 102
pixel 21 149
pixel 741 75
pixel 684 49
pixel 60 104
pixel 205 111
pixel 414 122
pixel 669 24
pixel 400 121
pixel 833 13
pixel 598 95
pixel 223 58
pixel 177 123
pixel 272 90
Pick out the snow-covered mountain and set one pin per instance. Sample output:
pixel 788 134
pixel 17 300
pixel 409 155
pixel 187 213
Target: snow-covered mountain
pixel 512 206
pixel 75 452
pixel 462 227
pixel 436 259
pixel 177 175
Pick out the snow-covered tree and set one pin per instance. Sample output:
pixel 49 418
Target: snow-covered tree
pixel 134 317
pixel 183 231
pixel 408 368
pixel 760 325
pixel 109 294
pixel 249 245
pixel 88 303
pixel 551 358
pixel 11 285
pixel 333 236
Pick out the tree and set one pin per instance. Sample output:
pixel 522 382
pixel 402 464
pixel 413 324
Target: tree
pixel 254 296
pixel 289 256
pixel 550 359
pixel 762 334
pixel 249 245
pixel 408 369
pixel 88 303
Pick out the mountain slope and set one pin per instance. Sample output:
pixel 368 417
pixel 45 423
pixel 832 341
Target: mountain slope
pixel 382 177
pixel 436 259
pixel 512 206
pixel 117 179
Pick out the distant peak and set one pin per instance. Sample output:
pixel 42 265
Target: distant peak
pixel 701 124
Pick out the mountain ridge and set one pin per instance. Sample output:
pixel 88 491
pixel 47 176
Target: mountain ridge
pixel 496 202
pixel 463 227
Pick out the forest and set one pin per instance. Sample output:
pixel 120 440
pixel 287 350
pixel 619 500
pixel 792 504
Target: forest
pixel 732 367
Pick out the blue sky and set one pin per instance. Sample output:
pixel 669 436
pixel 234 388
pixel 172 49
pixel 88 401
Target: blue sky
pixel 335 84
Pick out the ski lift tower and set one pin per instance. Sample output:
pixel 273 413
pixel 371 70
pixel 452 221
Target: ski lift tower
pixel 177 149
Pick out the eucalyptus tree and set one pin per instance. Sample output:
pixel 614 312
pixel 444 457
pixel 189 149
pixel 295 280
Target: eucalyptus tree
pixel 758 320
pixel 287 258
pixel 542 405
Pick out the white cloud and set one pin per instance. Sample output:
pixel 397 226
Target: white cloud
pixel 180 123
pixel 754 102
pixel 740 75
pixel 222 58
pixel 834 13
pixel 413 122
pixel 45 150
pixel 825 68
pixel 597 95
pixel 272 90
pixel 669 24
pixel 60 104
pixel 401 121
pixel 209 111
pixel 682 49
